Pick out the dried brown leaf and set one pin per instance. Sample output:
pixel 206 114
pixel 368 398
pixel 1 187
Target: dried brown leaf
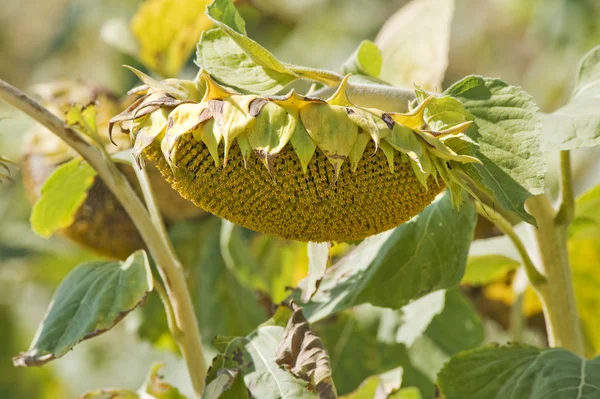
pixel 302 353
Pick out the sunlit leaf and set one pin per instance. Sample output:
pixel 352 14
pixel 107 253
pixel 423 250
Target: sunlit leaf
pixel 238 61
pixel 414 44
pixel 520 372
pixel 508 134
pixel 318 256
pixel 426 254
pixel 577 124
pixel 90 301
pixel 484 269
pixel 61 196
pixel 366 60
pixel 584 256
pixel 223 382
pixel 167 32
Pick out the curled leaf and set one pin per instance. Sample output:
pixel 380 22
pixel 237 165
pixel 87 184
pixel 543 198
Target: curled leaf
pixel 303 354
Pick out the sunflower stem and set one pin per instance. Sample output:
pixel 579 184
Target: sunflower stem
pixel 558 296
pixel 169 267
pixel 534 276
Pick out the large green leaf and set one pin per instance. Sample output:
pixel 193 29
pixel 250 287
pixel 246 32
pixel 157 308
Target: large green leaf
pixel 508 134
pixel 355 350
pixel 224 59
pixel 225 307
pixel 264 263
pixel 520 372
pixel 90 301
pixel 426 254
pixel 61 196
pixel 414 44
pixel 236 60
pixel 433 335
pixel 577 124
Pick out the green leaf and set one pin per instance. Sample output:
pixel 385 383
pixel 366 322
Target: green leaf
pixel 264 263
pixel 380 386
pixel 238 61
pixel 223 381
pixel 457 327
pixel 318 256
pixel 508 134
pixel 153 326
pixel 520 372
pixel 366 60
pixel 254 356
pixel 225 307
pixel 417 315
pixel 61 196
pixel 414 44
pixel 407 393
pixel 90 301
pixel 485 269
pixel 423 255
pixel 577 124
pixel 167 32
pixel 437 334
pixel 355 350
pixel 225 60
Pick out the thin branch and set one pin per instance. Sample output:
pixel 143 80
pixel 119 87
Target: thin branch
pixel 533 274
pixel 169 267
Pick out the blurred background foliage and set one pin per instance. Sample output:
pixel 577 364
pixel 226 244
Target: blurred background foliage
pixel 236 275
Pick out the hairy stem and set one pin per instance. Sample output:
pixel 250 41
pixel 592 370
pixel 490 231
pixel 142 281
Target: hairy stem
pixel 169 267
pixel 557 297
pixel 386 98
pixel 536 279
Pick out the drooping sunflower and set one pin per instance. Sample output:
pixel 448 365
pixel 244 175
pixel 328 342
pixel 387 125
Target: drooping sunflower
pixel 299 167
pixel 101 223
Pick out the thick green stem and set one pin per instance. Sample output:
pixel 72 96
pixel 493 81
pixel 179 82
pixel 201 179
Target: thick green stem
pixel 159 246
pixel 557 296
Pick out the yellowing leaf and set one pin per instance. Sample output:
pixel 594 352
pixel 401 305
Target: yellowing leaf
pixel 167 32
pixel 487 268
pixel 62 195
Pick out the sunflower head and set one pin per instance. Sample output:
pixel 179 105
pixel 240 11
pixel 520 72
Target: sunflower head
pixel 299 167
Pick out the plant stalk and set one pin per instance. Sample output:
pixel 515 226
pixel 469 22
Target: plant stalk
pixel 558 296
pixel 169 267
